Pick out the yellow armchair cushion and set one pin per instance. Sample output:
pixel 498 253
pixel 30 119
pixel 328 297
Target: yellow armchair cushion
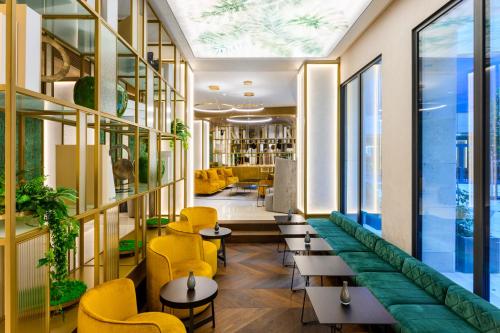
pixel 210 250
pixel 167 323
pixel 228 172
pixel 212 175
pixel 111 308
pixel 183 226
pixel 198 267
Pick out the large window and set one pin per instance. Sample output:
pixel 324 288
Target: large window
pixel 457 94
pixel 361 153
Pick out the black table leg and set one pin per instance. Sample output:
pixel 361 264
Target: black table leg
pixel 213 315
pixel 223 250
pixel 191 320
pixel 284 254
pixel 293 276
pixel 162 308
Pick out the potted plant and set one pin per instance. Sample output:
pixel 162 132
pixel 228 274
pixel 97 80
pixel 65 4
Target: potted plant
pixel 181 131
pixel 464 227
pixel 48 207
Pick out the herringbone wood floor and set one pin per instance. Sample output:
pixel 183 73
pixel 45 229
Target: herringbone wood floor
pixel 254 294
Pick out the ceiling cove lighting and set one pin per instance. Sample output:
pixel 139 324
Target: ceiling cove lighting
pixel 263 28
pixel 249 119
pixel 432 108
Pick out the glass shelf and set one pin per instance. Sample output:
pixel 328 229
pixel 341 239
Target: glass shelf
pixel 57 7
pixel 78 34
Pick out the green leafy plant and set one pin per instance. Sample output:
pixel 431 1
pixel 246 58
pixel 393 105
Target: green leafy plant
pixel 182 132
pixel 464 222
pixel 49 207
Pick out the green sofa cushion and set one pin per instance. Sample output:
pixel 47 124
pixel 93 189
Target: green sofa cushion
pixel 390 253
pixel 427 278
pixel 336 217
pixel 475 310
pixel 369 239
pixel 345 243
pixel 393 288
pixel 319 222
pixel 365 262
pixel 413 318
pixel 349 225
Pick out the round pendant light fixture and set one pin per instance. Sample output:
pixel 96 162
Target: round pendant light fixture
pixel 249 119
pixel 248 106
pixel 213 106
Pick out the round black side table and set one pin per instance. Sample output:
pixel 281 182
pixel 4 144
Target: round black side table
pixel 175 294
pixel 209 233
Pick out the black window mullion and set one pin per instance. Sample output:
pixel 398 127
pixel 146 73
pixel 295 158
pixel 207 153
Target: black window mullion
pixel 481 158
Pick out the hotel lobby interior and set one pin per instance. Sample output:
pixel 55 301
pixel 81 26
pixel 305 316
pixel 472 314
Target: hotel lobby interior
pixel 174 166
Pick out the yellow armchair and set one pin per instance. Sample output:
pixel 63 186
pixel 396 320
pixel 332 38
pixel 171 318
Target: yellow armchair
pixel 201 218
pixel 111 308
pixel 170 257
pixel 209 248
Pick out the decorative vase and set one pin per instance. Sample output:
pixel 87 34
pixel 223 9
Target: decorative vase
pixel 216 227
pixel 290 214
pixel 121 100
pixel 191 281
pixel 345 298
pixel 307 239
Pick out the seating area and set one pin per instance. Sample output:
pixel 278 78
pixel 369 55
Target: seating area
pixel 419 298
pixel 243 166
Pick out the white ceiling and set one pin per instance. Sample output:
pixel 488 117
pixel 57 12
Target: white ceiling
pixel 274 78
pixel 271 88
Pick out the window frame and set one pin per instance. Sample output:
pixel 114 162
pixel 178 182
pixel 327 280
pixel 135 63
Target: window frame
pixel 481 158
pixel 343 123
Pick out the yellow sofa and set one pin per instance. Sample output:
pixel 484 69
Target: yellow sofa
pixel 209 248
pixel 170 257
pixel 206 182
pixel 226 174
pixel 201 218
pixel 111 308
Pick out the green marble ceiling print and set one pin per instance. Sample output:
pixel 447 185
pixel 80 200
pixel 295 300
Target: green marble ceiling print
pixel 265 28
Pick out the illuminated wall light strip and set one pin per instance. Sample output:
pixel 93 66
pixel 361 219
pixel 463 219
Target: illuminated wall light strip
pixel 249 121
pixel 374 208
pixel 432 108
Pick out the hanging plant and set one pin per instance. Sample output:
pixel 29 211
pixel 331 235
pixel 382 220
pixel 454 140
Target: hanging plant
pixel 182 132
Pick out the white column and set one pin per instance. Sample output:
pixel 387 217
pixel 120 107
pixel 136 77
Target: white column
pixel 317 138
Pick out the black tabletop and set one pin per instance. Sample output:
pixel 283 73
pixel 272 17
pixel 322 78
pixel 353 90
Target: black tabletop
pixel 296 219
pixel 364 307
pixel 209 233
pixel 297 230
pixel 298 244
pixel 175 293
pixel 322 266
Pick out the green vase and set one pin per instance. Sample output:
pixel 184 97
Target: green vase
pixel 83 94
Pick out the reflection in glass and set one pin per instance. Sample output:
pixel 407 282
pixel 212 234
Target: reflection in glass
pixel 351 148
pixel 371 172
pixel 493 102
pixel 445 117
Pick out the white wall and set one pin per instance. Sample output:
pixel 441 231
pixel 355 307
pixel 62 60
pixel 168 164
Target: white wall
pixel 391 36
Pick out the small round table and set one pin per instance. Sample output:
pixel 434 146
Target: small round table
pixel 209 233
pixel 175 294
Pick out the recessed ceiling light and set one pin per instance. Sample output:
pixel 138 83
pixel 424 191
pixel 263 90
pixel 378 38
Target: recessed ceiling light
pixel 248 94
pixel 247 83
pixel 214 88
pixel 249 119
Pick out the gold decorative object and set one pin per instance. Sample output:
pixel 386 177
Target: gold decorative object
pixel 65 59
pixel 123 170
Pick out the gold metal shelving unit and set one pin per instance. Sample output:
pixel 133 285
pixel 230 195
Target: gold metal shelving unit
pixel 77 143
pixel 252 144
